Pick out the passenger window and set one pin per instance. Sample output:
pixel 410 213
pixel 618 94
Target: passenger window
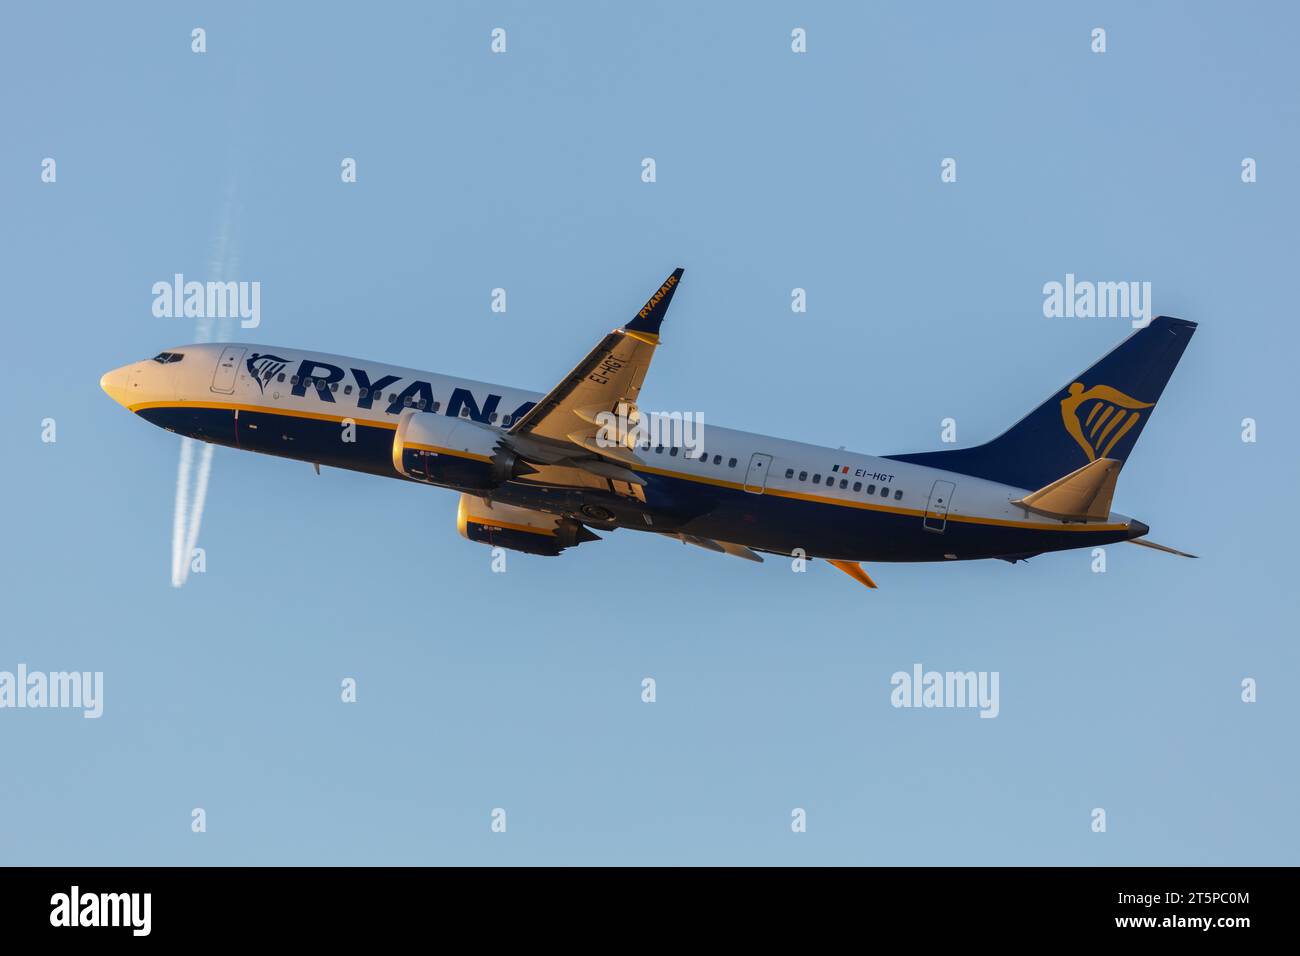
pixel 659 449
pixel 436 405
pixel 294 380
pixel 420 404
pixel 857 486
pixel 280 377
pixel 884 492
pixel 844 483
pixel 347 389
pixel 898 495
pixel 803 476
pixel 464 412
pixel 731 463
pixel 334 386
pixel 492 417
pixel 717 459
pixel 363 392
pixel 789 472
pixel 817 479
pixel 672 452
pixel 871 489
pixel 505 420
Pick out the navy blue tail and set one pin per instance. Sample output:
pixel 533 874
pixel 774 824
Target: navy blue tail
pixel 1097 414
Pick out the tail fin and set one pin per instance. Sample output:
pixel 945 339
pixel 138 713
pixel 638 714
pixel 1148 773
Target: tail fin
pixel 1097 414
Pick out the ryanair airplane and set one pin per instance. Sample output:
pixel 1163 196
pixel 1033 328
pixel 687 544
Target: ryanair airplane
pixel 537 473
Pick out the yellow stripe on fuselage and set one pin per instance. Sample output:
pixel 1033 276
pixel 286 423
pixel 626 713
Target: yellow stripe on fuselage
pixel 698 479
pixel 288 412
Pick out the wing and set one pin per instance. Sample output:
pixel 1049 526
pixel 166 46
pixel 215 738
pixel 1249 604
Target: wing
pixel 609 377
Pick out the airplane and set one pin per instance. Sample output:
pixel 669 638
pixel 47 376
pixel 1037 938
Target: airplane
pixel 543 473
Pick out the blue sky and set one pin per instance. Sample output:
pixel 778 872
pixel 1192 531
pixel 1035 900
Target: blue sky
pixel 774 171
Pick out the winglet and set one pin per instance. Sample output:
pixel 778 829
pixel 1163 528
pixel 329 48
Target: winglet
pixel 854 570
pixel 645 326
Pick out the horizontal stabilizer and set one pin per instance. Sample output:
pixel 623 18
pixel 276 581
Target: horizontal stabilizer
pixel 1160 547
pixel 1082 495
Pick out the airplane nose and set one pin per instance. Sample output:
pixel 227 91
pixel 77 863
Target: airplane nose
pixel 114 384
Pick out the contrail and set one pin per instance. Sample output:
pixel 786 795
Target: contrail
pixel 196 509
pixel 179 516
pixel 188 515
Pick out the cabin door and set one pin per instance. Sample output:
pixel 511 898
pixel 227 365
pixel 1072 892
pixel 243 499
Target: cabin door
pixel 756 477
pixel 936 510
pixel 223 379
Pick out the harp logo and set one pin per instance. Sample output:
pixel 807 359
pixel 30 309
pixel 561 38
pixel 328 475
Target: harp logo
pixel 264 367
pixel 1098 417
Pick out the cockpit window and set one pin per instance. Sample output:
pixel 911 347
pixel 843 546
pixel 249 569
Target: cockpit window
pixel 163 358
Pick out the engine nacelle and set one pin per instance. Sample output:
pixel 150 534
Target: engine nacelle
pixel 518 529
pixel 452 451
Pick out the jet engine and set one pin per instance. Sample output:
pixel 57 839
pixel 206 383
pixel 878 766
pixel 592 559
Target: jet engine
pixel 519 529
pixel 453 451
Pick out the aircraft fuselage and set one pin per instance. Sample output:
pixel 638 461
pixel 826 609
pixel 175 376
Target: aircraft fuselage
pixel 765 493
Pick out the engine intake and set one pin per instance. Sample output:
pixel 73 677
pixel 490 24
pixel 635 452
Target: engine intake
pixel 453 451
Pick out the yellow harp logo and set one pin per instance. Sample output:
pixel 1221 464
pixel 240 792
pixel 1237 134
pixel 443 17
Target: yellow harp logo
pixel 1098 417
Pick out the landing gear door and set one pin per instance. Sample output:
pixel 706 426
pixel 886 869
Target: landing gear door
pixel 936 510
pixel 756 477
pixel 223 379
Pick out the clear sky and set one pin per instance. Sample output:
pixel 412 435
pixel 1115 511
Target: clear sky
pixel 775 170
